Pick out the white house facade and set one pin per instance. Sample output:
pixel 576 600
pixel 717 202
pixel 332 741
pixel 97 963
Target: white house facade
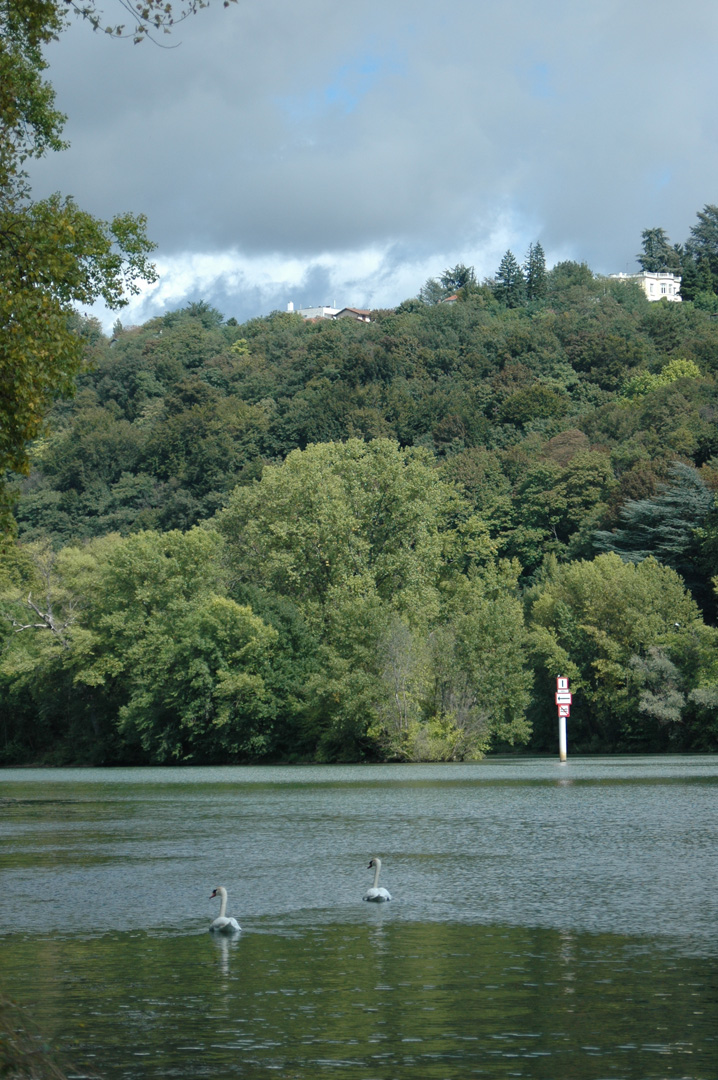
pixel 656 286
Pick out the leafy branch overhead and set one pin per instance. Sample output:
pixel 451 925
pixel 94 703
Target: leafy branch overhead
pixel 148 17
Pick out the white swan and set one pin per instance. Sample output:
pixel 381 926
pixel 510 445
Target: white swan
pixel 377 894
pixel 222 924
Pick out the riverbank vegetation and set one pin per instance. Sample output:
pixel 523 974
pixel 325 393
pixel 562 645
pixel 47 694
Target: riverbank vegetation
pixel 335 540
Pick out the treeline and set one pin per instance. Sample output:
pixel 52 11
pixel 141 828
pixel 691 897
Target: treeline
pixel 347 541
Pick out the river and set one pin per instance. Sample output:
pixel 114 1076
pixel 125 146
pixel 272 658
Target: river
pixel 549 922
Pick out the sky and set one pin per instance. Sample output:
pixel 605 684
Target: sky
pixel 325 153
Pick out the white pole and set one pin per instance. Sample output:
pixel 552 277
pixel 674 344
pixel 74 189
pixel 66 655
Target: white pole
pixel 562 739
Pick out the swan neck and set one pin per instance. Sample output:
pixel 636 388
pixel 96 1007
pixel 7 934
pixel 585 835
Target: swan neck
pixel 377 868
pixel 222 902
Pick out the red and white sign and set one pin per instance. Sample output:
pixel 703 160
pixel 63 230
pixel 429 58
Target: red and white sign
pixel 561 683
pixel 564 710
pixel 563 697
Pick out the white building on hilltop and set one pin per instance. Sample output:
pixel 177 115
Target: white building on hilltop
pixel 314 313
pixel 656 286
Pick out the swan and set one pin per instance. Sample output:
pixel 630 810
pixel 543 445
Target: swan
pixel 222 924
pixel 377 894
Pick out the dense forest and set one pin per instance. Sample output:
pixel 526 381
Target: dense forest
pixel 341 541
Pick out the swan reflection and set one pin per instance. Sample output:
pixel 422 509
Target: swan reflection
pixel 225 946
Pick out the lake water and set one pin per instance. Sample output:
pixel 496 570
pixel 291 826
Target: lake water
pixel 549 922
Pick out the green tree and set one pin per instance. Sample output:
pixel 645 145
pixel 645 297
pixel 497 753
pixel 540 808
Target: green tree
pixel 534 402
pixel 509 283
pixel 703 241
pixel 453 280
pixel 457 277
pixel 667 526
pixel 432 291
pixel 658 255
pixel 555 506
pixel 52 254
pixel 362 516
pixel 535 272
pixel 481 682
pixel 453 692
pixel 139 642
pixel 661 697
pixel 590 621
pixel 647 381
pixel 570 284
pixel 364 539
pixel 690 283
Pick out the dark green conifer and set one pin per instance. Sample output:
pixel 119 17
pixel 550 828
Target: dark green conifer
pixel 665 526
pixel 658 255
pixel 535 272
pixel 510 284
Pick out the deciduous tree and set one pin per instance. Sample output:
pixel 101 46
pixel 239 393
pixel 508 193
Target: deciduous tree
pixel 590 621
pixel 53 255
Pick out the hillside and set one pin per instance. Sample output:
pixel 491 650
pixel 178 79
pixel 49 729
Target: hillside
pixel 522 447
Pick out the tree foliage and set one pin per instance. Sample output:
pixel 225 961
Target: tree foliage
pixel 510 283
pixel 703 241
pixel 398 529
pixel 657 254
pixel 372 536
pixel 535 272
pixel 148 17
pixel 53 255
pixel 666 526
pixel 627 635
pixel 159 663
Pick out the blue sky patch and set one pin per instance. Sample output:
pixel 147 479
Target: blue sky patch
pixel 345 89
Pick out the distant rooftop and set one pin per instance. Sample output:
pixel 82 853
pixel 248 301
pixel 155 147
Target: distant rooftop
pixel 325 312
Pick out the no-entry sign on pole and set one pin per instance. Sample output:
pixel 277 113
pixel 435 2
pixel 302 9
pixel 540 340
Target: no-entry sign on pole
pixel 563 703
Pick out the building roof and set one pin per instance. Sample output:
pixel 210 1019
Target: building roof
pixel 356 313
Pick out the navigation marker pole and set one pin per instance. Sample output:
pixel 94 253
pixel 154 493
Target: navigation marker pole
pixel 563 703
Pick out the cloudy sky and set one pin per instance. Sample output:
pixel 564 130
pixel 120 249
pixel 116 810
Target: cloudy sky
pixel 322 152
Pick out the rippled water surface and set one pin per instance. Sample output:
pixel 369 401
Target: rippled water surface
pixel 548 921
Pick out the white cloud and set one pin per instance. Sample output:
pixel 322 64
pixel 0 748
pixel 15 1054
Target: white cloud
pixel 360 149
pixel 374 277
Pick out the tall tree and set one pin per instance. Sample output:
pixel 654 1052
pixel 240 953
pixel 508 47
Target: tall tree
pixel 453 280
pixel 510 284
pixel 535 272
pixel 457 277
pixel 658 254
pixel 432 291
pixel 703 241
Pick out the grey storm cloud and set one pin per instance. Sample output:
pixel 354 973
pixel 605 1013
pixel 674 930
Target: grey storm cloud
pixel 293 130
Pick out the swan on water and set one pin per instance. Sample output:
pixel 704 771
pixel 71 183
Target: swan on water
pixel 376 893
pixel 222 924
